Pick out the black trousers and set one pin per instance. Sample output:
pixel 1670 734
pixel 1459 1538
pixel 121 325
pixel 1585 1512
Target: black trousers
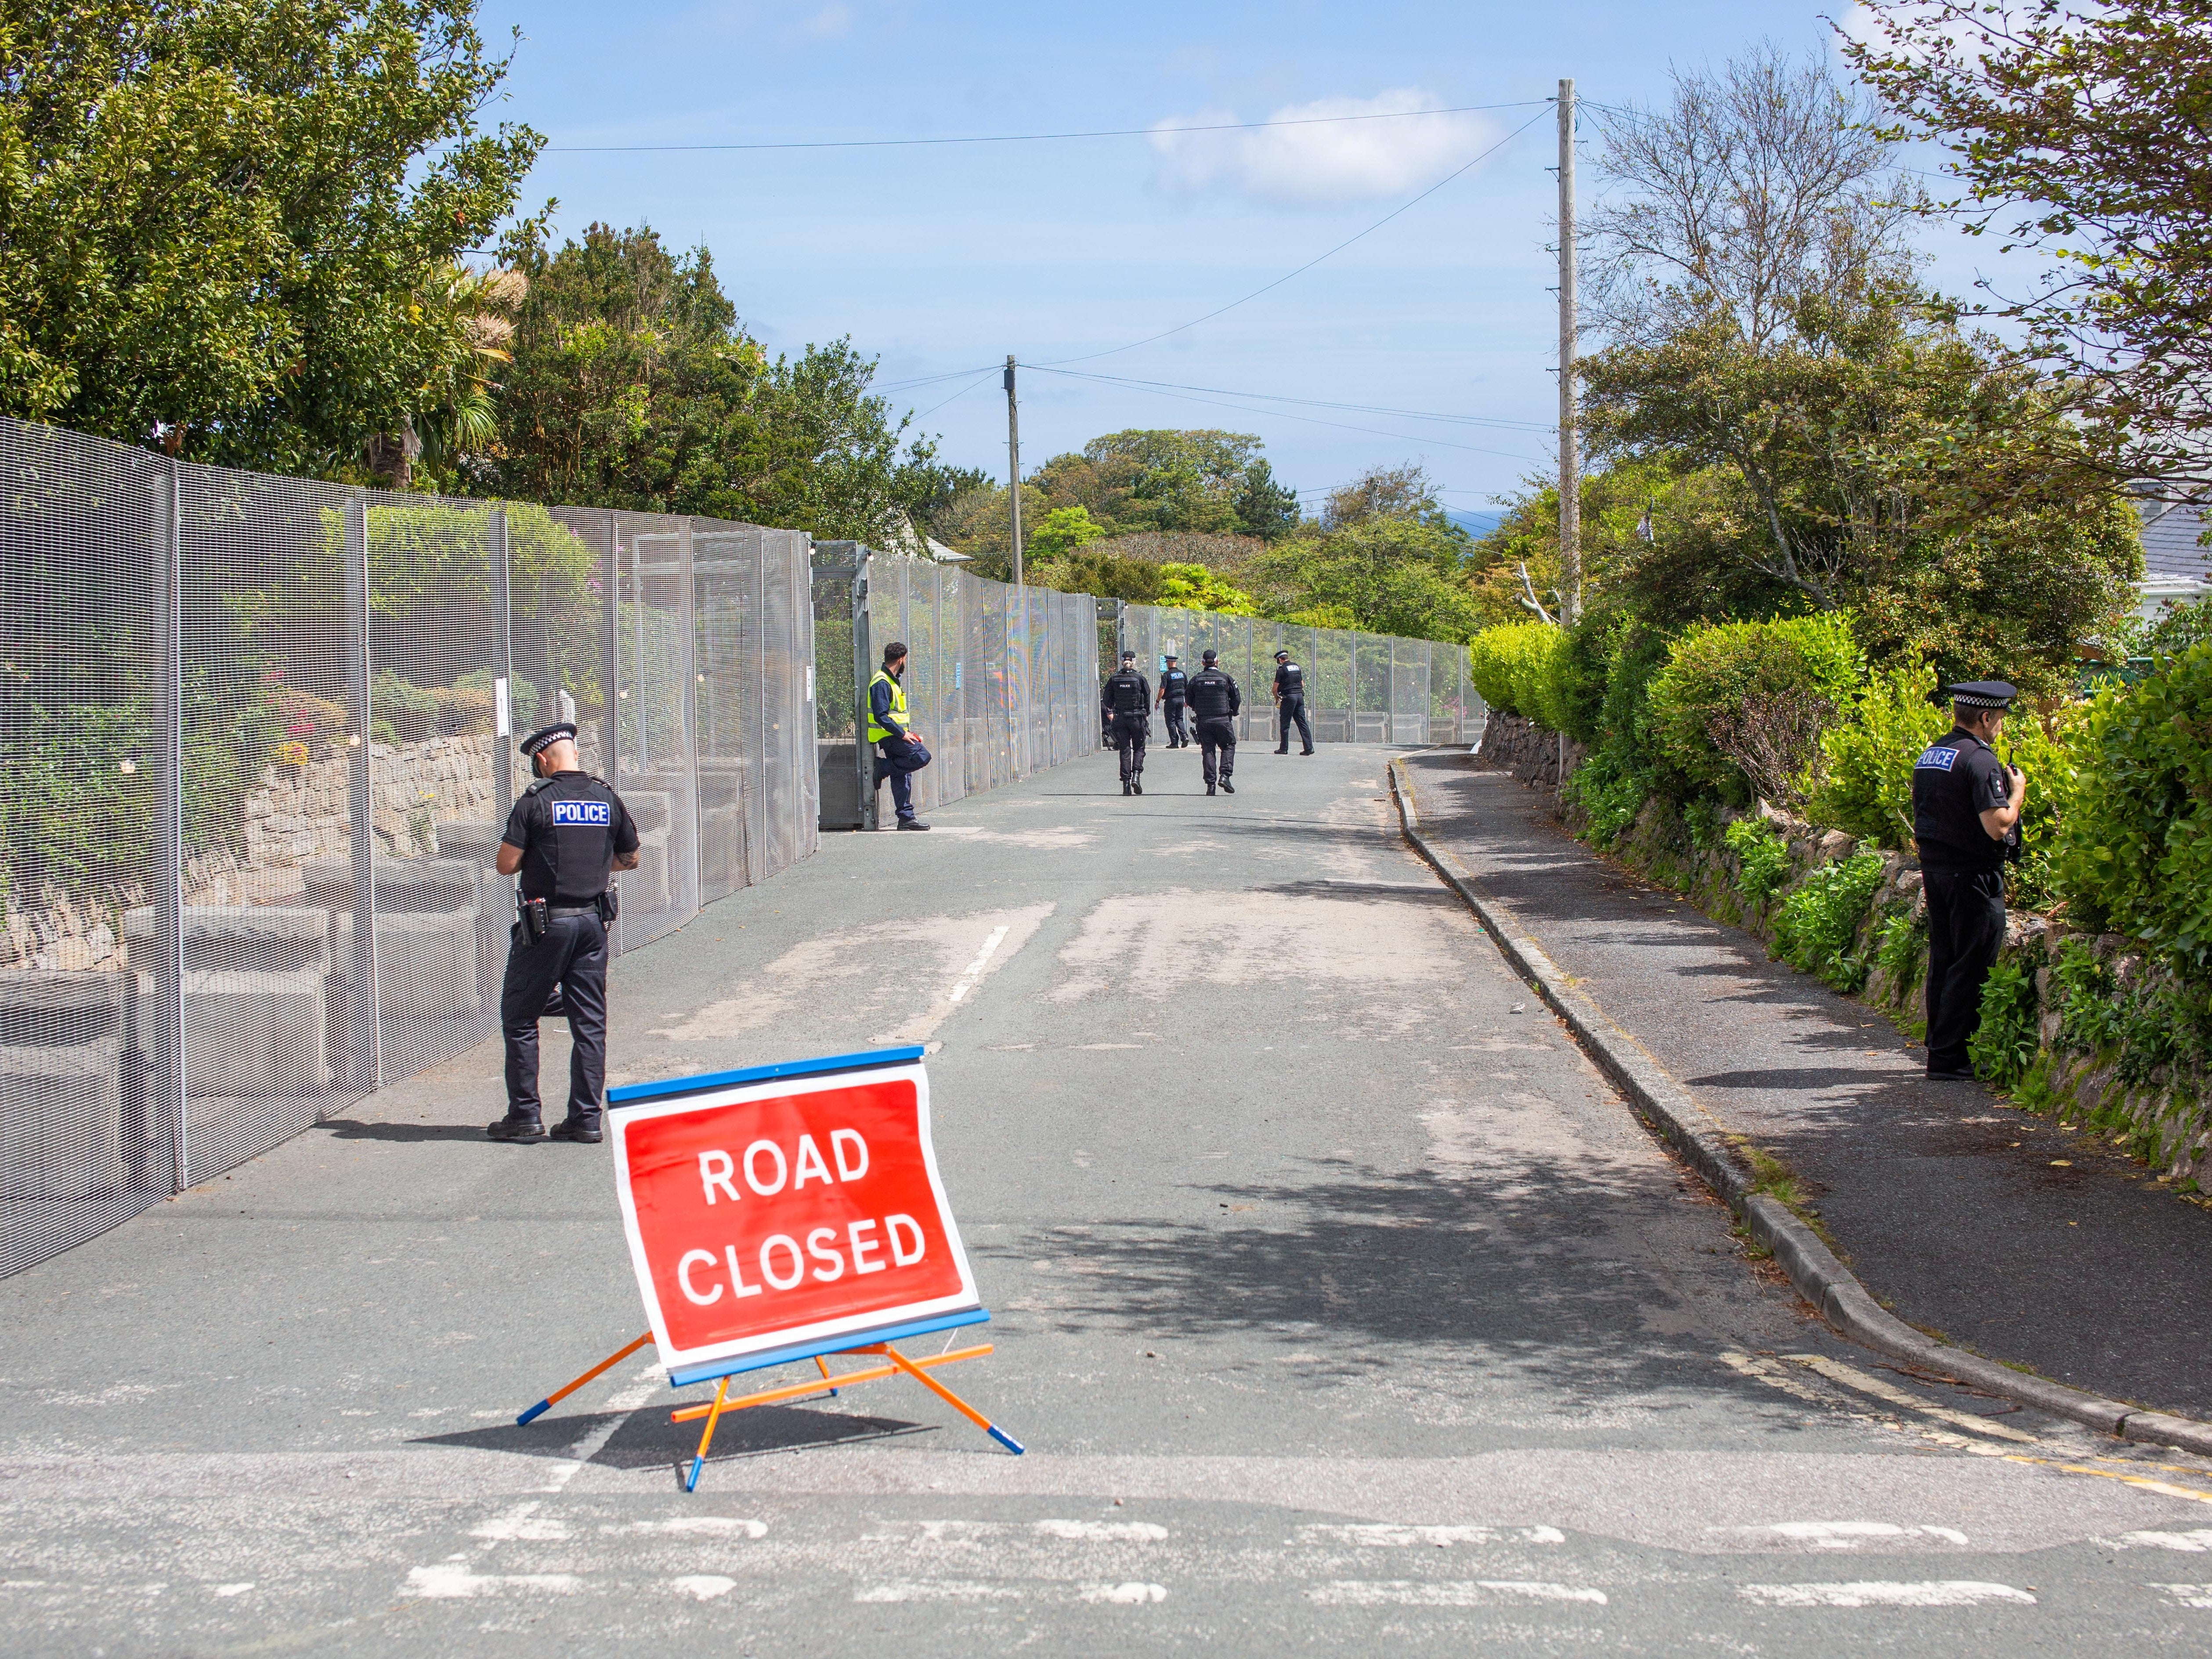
pixel 571 960
pixel 1217 747
pixel 1130 731
pixel 1966 930
pixel 1177 737
pixel 897 763
pixel 1290 709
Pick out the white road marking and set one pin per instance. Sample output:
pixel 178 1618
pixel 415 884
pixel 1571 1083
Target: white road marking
pixel 938 1590
pixel 1851 1377
pixel 618 1407
pixel 1369 1535
pixel 973 971
pixel 1881 1592
pixel 1127 1596
pixel 696 1526
pixel 1849 1534
pixel 2190 1543
pixel 451 1580
pixel 2187 1595
pixel 1444 1593
pixel 234 1589
pixel 522 1522
pixel 1130 1532
pixel 703 1586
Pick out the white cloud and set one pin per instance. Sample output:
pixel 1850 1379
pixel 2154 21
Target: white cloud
pixel 1329 162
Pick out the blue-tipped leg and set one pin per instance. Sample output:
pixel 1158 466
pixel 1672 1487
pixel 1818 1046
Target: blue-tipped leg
pixel 1003 1439
pixel 691 1480
pixel 534 1413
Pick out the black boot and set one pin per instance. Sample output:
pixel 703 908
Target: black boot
pixel 512 1128
pixel 1209 788
pixel 1125 788
pixel 1227 788
pixel 583 1129
pixel 1137 784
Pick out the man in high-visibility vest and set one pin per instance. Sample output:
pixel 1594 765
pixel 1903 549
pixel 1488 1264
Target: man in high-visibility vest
pixel 899 753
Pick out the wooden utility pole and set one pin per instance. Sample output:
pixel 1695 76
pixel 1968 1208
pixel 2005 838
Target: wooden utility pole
pixel 1014 466
pixel 1570 459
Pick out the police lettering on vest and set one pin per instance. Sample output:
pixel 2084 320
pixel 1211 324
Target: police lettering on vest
pixel 1173 683
pixel 569 827
pixel 1289 681
pixel 1127 693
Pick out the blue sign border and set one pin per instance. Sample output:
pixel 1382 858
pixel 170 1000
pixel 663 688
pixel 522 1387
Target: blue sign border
pixel 666 1088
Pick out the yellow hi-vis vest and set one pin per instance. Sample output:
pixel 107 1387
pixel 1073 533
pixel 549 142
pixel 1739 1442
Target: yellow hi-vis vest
pixel 878 733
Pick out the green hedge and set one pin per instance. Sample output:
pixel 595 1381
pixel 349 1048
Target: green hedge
pixel 1514 668
pixel 1717 675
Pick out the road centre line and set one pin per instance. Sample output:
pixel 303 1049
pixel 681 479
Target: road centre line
pixel 974 970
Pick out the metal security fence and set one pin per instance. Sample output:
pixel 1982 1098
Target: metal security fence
pixel 1360 687
pixel 1001 682
pixel 256 749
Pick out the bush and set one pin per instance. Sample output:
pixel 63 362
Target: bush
pixel 2004 1045
pixel 2134 847
pixel 1901 947
pixel 1510 668
pixel 1739 706
pixel 2089 1010
pixel 1816 925
pixel 1611 790
pixel 1582 669
pixel 1866 784
pixel 1763 856
pixel 410 711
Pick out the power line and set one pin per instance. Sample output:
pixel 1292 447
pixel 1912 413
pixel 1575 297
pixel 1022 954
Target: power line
pixel 1029 137
pixel 1316 403
pixel 1310 420
pixel 1092 356
pixel 956 397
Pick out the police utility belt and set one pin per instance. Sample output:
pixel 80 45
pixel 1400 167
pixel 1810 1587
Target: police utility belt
pixel 538 915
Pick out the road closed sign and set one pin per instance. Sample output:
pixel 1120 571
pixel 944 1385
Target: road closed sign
pixel 786 1210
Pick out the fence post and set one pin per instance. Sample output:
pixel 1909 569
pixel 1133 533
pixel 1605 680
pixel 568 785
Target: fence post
pixel 169 901
pixel 368 1009
pixel 612 621
pixel 863 652
pixel 503 712
pixel 687 625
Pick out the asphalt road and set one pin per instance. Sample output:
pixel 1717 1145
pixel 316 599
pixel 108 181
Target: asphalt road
pixel 1340 1303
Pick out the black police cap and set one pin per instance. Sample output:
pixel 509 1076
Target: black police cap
pixel 1209 658
pixel 1128 656
pixel 1173 658
pixel 1282 656
pixel 547 737
pixel 1983 694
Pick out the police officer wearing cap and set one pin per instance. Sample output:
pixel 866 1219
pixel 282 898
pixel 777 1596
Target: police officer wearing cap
pixel 1290 703
pixel 1966 818
pixel 565 836
pixel 1175 688
pixel 1214 701
pixel 1126 702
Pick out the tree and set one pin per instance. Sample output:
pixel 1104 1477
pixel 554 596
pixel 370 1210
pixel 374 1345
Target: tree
pixel 222 223
pixel 1265 508
pixel 634 386
pixel 1889 463
pixel 1064 530
pixel 2081 129
pixel 1388 575
pixel 1759 188
pixel 1194 587
pixel 1203 481
pixel 1386 492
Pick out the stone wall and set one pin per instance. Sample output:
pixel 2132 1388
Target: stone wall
pixel 2164 1113
pixel 296 814
pixel 1515 743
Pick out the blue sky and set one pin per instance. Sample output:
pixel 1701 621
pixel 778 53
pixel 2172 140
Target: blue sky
pixel 943 259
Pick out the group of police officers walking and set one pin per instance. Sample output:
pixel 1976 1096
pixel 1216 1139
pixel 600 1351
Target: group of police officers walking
pixel 1213 701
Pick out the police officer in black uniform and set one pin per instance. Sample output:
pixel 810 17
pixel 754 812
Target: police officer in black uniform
pixel 1175 688
pixel 1966 817
pixel 1214 701
pixel 1290 703
pixel 565 835
pixel 1126 701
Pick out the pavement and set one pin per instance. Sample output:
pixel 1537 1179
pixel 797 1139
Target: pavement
pixel 1987 1226
pixel 1340 1302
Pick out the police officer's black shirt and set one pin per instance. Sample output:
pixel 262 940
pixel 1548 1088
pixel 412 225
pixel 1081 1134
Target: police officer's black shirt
pixel 1291 682
pixel 1213 694
pixel 1175 684
pixel 570 829
pixel 1128 693
pixel 1954 782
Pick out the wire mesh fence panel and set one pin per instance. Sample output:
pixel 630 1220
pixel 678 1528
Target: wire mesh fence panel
pixel 787 730
pixel 653 643
pixel 439 780
pixel 278 579
pixel 88 1066
pixel 1409 691
pixel 724 561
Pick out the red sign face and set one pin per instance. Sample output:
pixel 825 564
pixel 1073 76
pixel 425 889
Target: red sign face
pixel 776 1214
